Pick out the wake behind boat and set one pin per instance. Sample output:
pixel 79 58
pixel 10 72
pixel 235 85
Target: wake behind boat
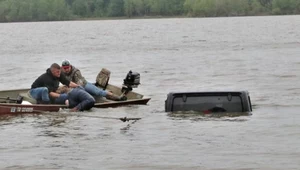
pixel 19 101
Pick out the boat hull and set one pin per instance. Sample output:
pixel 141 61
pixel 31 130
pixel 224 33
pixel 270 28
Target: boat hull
pixel 9 106
pixel 122 103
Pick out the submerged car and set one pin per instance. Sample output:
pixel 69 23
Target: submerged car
pixel 207 102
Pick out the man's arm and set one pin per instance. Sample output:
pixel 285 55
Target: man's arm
pixel 78 78
pixel 54 95
pixel 73 85
pixel 64 80
pixel 38 82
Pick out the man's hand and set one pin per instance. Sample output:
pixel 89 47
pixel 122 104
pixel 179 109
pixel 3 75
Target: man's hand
pixel 74 109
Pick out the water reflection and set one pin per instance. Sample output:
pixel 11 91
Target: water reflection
pixel 34 167
pixel 217 116
pixel 11 119
pixel 6 119
pixel 126 128
pixel 53 133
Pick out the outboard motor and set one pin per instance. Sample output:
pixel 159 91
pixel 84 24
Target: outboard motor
pixel 19 99
pixel 132 80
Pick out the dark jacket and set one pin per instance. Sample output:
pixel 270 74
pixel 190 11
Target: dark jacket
pixel 49 81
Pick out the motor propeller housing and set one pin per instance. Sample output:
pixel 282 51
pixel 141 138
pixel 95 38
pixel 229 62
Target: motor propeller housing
pixel 132 80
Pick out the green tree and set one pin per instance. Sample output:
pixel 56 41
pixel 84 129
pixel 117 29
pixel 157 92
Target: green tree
pixel 266 3
pixel 4 9
pixel 115 8
pixel 129 8
pixel 188 7
pixel 25 12
pixel 255 8
pixel 99 8
pixel 80 8
pixel 285 6
pixel 69 2
pixel 158 7
pixel 13 11
pixel 297 6
pixel 61 11
pixel 238 7
pixel 137 7
pixel 222 8
pixel 43 10
pixel 177 8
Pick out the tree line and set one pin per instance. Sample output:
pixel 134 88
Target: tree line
pixel 53 10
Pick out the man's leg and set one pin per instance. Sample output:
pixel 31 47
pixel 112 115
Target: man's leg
pixel 80 100
pixel 40 94
pixel 94 90
pixel 61 99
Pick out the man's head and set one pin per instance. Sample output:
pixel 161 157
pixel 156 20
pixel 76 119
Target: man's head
pixel 66 66
pixel 62 89
pixel 55 70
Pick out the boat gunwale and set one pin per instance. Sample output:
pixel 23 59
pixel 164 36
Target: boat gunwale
pixel 8 95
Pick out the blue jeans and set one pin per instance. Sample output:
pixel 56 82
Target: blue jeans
pixel 40 94
pixel 94 90
pixel 80 99
pixel 61 99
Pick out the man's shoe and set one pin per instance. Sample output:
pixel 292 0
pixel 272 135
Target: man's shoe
pixel 123 98
pixel 116 98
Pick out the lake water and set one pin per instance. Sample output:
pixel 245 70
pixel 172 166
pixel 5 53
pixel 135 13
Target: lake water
pixel 258 54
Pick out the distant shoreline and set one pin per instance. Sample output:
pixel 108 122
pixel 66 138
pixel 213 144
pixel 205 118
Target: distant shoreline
pixel 82 10
pixel 145 17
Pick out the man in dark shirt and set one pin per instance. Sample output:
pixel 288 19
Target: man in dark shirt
pixel 44 87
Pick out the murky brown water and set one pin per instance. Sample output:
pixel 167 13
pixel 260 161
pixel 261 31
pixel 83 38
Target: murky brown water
pixel 258 54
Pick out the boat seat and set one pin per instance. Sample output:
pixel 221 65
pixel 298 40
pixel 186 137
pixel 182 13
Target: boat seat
pixel 27 97
pixel 103 78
